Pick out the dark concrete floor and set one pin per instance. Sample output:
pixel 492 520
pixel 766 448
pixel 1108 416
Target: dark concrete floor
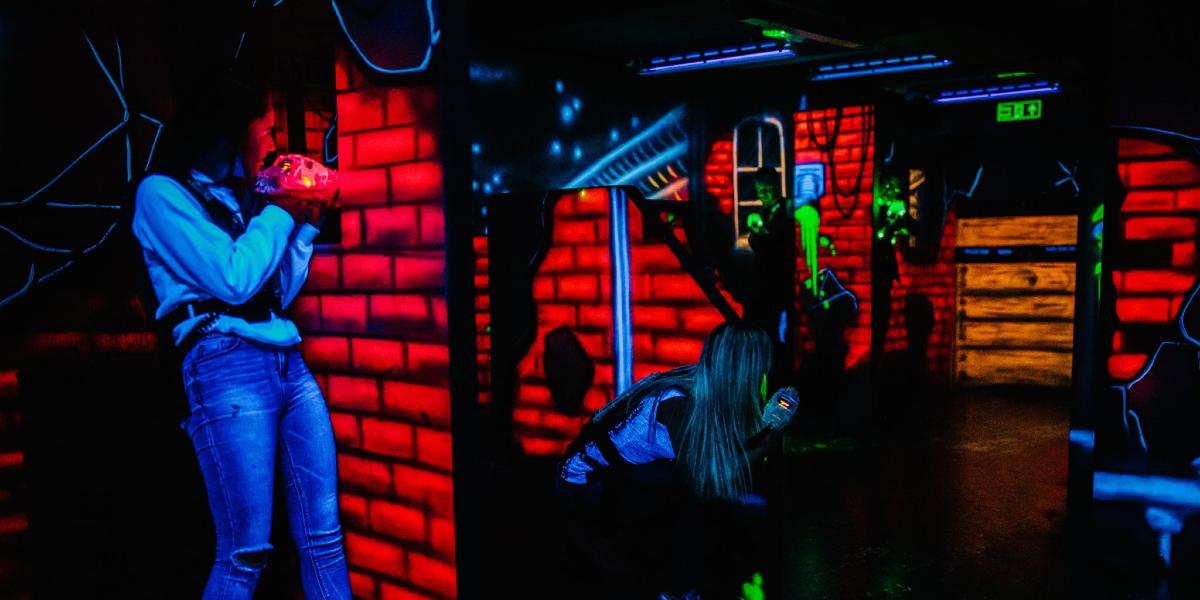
pixel 962 497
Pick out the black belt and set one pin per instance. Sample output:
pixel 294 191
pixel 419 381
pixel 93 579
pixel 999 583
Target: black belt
pixel 256 310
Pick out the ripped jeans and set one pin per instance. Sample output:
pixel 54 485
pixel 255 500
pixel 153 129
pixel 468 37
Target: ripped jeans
pixel 257 417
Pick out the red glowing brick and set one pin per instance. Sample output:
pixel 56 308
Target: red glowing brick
pixel 396 312
pixel 367 271
pixel 1183 254
pixel 534 446
pixel 324 272
pixel 402 105
pixel 345 429
pixel 326 352
pixel 416 182
pixel 398 521
pixel 351 224
pixel 592 202
pixel 364 474
pixel 420 272
pixel 593 257
pixel 353 393
pixel 306 312
pixel 577 287
pixel 361 187
pixel 673 287
pixel 677 350
pixel 543 288
pixel 341 77
pixel 1125 366
pixel 377 357
pixel 537 395
pixel 1149 201
pixel 1143 310
pixel 344 313
pixel 1177 172
pixel 1188 198
pixel 432 489
pixel 1147 228
pixel 700 320
pixel 375 555
pixel 429 363
pixel 385 436
pixel 433 574
pixel 442 537
pixel 392 226
pixel 1158 281
pixel 1131 147
pixel 426 143
pixel 389 591
pixel 553 315
pixel 591 315
pixel 434 448
pixel 433 225
pixel 655 317
pixel 359 110
pixel 354 510
pixel 421 403
pixel 437 308
pixel 646 258
pixel 575 232
pixel 557 260
pixel 384 146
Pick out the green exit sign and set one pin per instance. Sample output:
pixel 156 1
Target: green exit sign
pixel 1024 110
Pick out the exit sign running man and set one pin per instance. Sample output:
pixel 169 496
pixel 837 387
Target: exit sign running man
pixel 1024 110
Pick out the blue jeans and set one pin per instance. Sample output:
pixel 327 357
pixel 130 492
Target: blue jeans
pixel 256 412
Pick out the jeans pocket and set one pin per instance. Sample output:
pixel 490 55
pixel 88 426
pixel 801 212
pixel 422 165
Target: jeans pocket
pixel 211 347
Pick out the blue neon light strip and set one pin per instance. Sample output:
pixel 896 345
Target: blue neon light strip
pixel 880 67
pixel 621 271
pixel 1183 311
pixel 1148 489
pixel 1040 88
pixel 669 120
pixel 726 58
pixel 1083 438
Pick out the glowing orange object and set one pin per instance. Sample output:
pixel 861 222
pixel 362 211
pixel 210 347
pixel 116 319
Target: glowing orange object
pixel 292 173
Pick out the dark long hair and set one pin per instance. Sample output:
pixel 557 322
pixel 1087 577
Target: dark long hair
pixel 725 407
pixel 211 112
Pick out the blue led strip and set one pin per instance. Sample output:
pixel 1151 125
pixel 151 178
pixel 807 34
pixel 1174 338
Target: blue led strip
pixel 661 142
pixel 434 34
pixel 724 58
pixel 621 276
pixel 1040 88
pixel 868 69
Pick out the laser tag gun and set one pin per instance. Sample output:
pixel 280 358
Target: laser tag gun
pixel 781 408
pixel 298 175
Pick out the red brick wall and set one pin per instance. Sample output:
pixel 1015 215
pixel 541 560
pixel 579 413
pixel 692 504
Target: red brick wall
pixel 670 314
pixel 718 173
pixel 850 234
pixel 374 321
pixel 935 281
pixel 573 288
pixel 1158 222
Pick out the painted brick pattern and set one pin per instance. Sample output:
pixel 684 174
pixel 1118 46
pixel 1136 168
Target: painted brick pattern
pixel 374 321
pixel 1159 222
pixel 670 314
pixel 851 233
